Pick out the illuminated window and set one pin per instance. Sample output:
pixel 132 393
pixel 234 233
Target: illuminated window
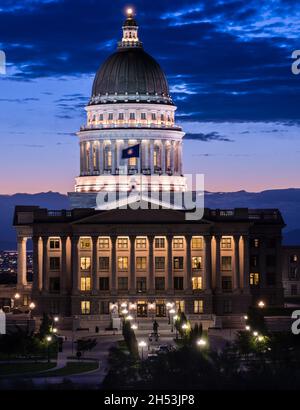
pixel 159 243
pixel 178 262
pixel 197 283
pixel 87 158
pixel 103 263
pixel 54 243
pixel 122 263
pixel 179 305
pixel 122 243
pixel 254 279
pixel 226 243
pixel 54 263
pixel 159 263
pixel 107 157
pixel 85 283
pixel 132 162
pixel 198 306
pixel 103 243
pixel 156 157
pixel 293 258
pixel 178 243
pixel 95 157
pixel 141 243
pixel 85 307
pixel 255 243
pixel 226 263
pixel 85 263
pixel 141 262
pixel 85 243
pixel 196 262
pixel 197 242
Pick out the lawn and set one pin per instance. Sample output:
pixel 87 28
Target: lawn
pixel 72 368
pixel 9 369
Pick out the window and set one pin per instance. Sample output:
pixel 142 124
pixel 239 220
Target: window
pixel 153 116
pixel 141 285
pixel 85 283
pixel 104 283
pixel 294 290
pixel 254 243
pixel 178 243
pixel 104 308
pixel 254 261
pixel 159 243
pixel 85 263
pixel 226 262
pixel 132 116
pixel 110 116
pixel 100 117
pixel 159 263
pixel 227 283
pixel 227 306
pixel 198 306
pixel 178 282
pixel 162 117
pixel 271 279
pixel 85 307
pixel 122 263
pixel 160 283
pixel 103 243
pixel 103 263
pixel 143 116
pixel 226 243
pixel 141 243
pixel 122 243
pixel 197 242
pixel 123 283
pixel 54 243
pixel 254 279
pixel 271 260
pixel 54 263
pixel 293 272
pixel 197 283
pixel 121 116
pixel 293 258
pixel 141 262
pixel 54 285
pixel 178 262
pixel 179 305
pixel 196 262
pixel 85 243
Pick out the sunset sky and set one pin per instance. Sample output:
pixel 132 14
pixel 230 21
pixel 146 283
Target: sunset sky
pixel 229 68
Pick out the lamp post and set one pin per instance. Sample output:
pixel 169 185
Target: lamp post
pixel 48 340
pixel 175 318
pixel 16 298
pixel 31 308
pixel 142 344
pixel 172 313
pixel 201 343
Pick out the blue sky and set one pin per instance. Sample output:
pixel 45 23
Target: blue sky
pixel 229 70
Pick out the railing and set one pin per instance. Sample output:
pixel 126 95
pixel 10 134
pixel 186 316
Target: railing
pixel 128 125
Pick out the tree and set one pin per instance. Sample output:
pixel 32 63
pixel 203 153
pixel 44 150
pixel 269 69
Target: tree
pixel 84 345
pixel 130 339
pixel 45 326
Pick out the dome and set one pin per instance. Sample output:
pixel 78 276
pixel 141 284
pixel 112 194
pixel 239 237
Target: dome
pixel 132 72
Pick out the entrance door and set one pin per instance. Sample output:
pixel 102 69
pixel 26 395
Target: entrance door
pixel 141 310
pixel 160 310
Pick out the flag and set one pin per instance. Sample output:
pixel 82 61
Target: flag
pixel 131 152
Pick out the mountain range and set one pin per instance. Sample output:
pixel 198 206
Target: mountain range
pixel 287 200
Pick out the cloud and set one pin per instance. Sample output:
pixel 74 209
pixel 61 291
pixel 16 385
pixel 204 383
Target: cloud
pixel 211 136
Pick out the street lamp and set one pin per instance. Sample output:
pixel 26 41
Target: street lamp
pixel 175 318
pixel 129 317
pixel 248 328
pixel 142 344
pixel 56 319
pixel 48 339
pixel 255 334
pixel 124 311
pixel 201 342
pixel 246 317
pixel 134 327
pixel 261 304
pixel 172 312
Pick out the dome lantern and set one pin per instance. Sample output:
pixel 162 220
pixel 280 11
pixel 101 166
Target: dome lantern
pixel 130 32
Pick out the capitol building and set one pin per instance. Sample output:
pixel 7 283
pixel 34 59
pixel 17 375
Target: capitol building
pixel 99 255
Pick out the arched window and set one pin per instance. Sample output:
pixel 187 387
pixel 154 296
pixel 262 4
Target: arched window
pixel 107 157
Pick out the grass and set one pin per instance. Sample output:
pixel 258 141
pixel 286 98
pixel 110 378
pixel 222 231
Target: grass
pixel 72 368
pixel 9 369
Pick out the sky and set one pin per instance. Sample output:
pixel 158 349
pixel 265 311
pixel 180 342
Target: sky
pixel 229 69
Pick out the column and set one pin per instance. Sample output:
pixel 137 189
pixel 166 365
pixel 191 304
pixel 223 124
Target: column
pixel 180 158
pixel 81 158
pixel 151 264
pixel 91 169
pixel 188 239
pixel 113 264
pixel 218 262
pixel 113 157
pixel 246 263
pixel 172 157
pixel 45 264
pixel 207 277
pixel 63 289
pixel 95 264
pixel 236 271
pixel 151 157
pixel 163 157
pixel 118 154
pixel 75 263
pixel 132 277
pixel 35 264
pixel 22 261
pixel 101 157
pixel 146 155
pixel 170 264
